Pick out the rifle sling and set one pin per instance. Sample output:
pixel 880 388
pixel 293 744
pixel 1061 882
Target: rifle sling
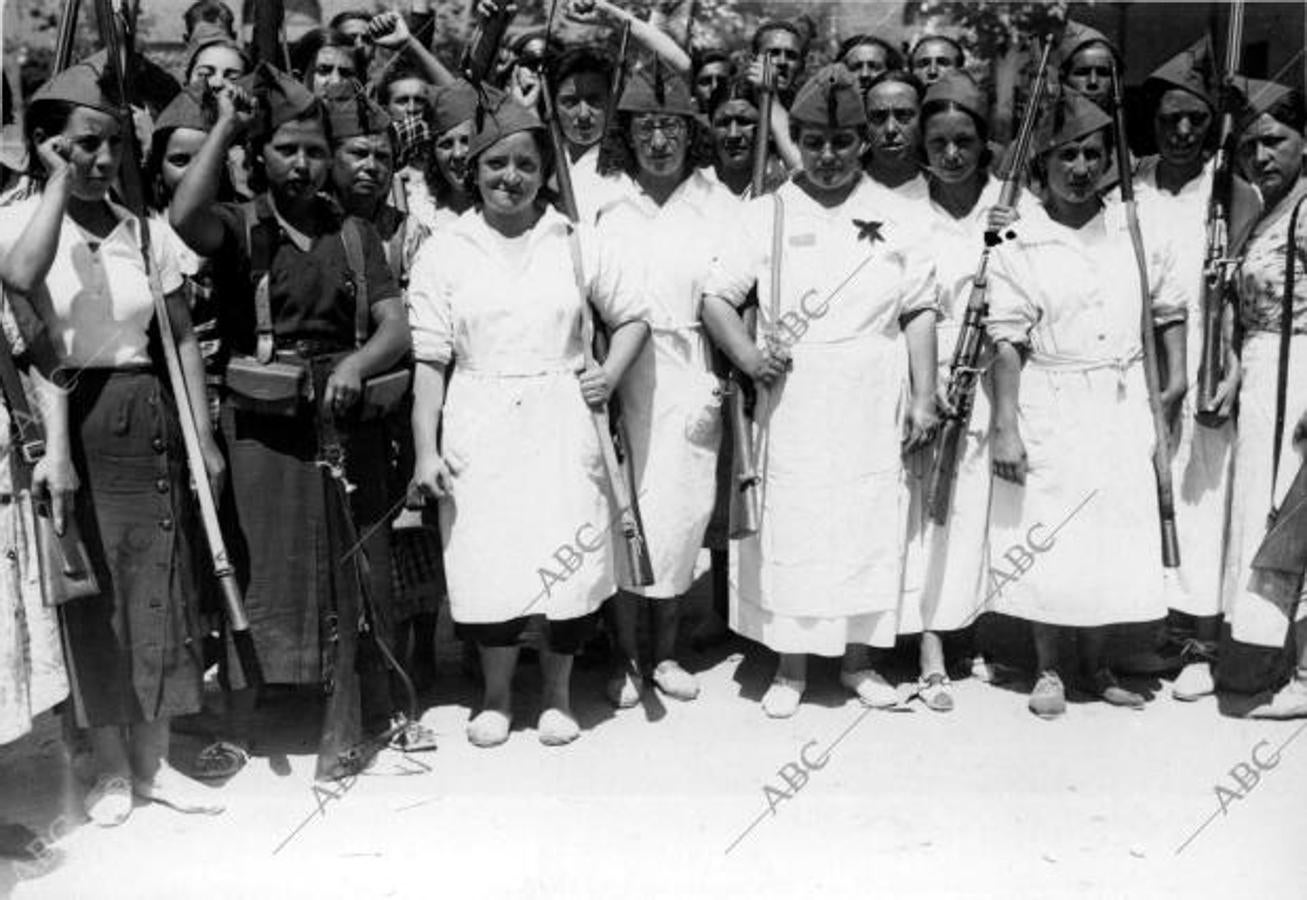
pixel 1286 335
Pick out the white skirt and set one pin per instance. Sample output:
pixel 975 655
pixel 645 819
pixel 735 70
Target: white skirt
pixel 944 580
pixel 1259 608
pixel 826 565
pixel 32 674
pixel 671 409
pixel 1201 470
pixel 529 529
pixel 1079 544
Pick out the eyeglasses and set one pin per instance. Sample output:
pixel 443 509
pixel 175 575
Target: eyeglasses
pixel 672 128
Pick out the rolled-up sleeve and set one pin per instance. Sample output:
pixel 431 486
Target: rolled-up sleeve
pixel 1013 312
pixel 919 289
pixel 430 304
pixel 618 297
pixel 740 255
pixel 1169 299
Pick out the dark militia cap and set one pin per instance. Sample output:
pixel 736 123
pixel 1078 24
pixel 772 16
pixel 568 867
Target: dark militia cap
pixel 453 105
pixel 281 98
pixel 830 99
pixel 193 108
pixel 1259 97
pixel 1071 117
pixel 86 83
pixel 208 34
pixel 500 117
pixel 1077 37
pixel 1192 69
pixel 960 89
pixel 351 112
pixel 655 90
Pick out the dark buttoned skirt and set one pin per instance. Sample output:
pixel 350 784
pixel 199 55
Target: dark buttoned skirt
pixel 133 651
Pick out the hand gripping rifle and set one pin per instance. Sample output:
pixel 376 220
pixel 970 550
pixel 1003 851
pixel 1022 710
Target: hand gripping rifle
pixel 638 566
pixel 1221 263
pixel 134 195
pixel 744 508
pixel 964 370
pixel 481 52
pixel 1148 338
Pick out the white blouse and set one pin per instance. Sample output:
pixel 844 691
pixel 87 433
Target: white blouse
pixel 96 301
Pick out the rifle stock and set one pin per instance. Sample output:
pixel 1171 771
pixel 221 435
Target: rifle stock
pixel 1148 339
pixel 964 371
pixel 134 195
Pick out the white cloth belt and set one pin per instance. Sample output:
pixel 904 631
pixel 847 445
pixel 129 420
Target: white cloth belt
pixel 1058 363
pixel 525 369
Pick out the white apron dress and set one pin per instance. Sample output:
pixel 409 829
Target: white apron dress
pixel 1259 606
pixel 1090 500
pixel 1201 462
pixel 32 674
pixel 944 582
pixel 826 566
pixel 529 528
pixel 593 191
pixel 671 401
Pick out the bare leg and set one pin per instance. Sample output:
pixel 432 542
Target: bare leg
pixel 934 673
pixel 931 655
pixel 110 751
pixel 497 667
pixel 557 726
pixel 623 612
pixel 1048 699
pixel 156 780
pixel 793 666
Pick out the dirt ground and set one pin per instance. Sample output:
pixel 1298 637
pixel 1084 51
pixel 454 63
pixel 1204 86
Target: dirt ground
pixel 986 801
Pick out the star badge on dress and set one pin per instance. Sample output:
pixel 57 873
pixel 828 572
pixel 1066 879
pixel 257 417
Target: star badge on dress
pixel 869 230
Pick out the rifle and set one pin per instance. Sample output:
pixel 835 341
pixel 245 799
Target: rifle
pixel 639 568
pixel 964 370
pixel 63 47
pixel 482 50
pixel 268 40
pixel 342 751
pixel 1220 264
pixel 1148 338
pixel 744 510
pixel 134 195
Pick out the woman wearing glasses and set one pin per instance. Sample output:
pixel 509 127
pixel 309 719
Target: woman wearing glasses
pixel 670 399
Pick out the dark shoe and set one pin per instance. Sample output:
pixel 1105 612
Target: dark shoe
pixel 1107 689
pixel 1048 698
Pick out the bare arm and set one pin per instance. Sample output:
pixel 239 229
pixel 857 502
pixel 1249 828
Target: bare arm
pixel 1008 452
pixel 727 329
pixel 430 474
pixel 919 332
pixel 391 31
pixel 191 212
pixel 28 261
pixel 650 35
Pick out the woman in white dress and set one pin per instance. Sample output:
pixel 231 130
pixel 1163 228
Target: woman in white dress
pixel 671 401
pixel 1262 605
pixel 524 514
pixel 1072 435
pixel 943 587
pixel 823 573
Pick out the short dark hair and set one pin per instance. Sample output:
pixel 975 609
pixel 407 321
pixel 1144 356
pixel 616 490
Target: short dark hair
pixel 900 76
pixel 708 57
pixel 780 25
pixel 399 73
pixel 893 56
pixel 739 88
pixel 579 61
pixel 961 51
pixel 208 11
pixel 48 117
pixel 348 15
pixel 304 53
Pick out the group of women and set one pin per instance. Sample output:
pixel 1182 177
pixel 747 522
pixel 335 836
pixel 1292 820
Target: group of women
pixel 857 264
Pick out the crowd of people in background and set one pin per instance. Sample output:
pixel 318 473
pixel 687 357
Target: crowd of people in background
pixel 385 282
